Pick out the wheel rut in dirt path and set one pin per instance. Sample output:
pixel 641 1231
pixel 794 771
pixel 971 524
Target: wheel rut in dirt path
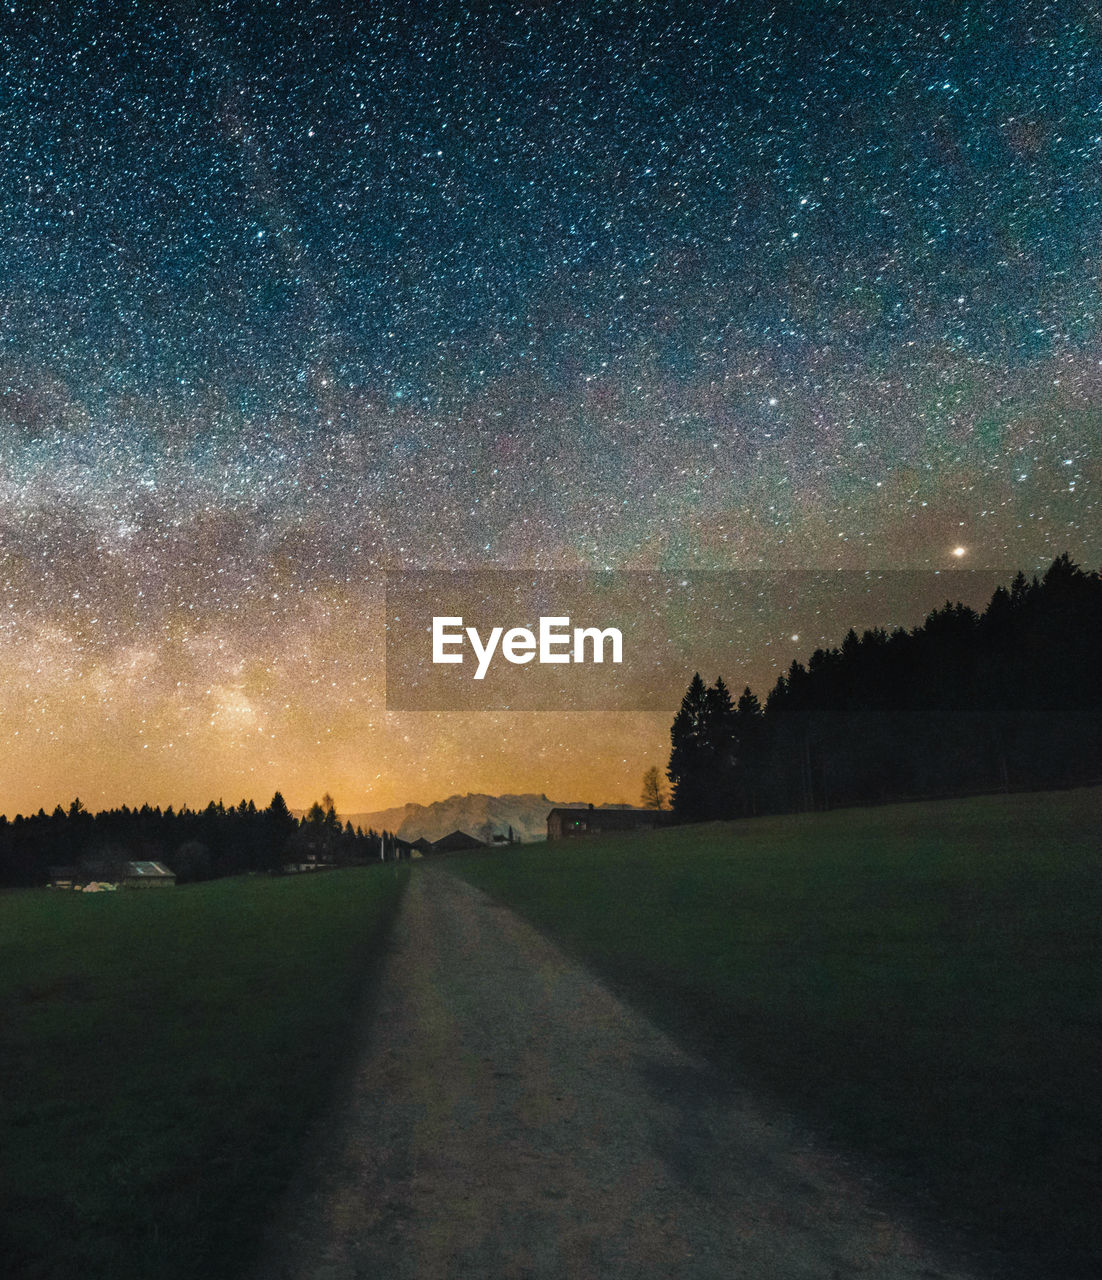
pixel 511 1118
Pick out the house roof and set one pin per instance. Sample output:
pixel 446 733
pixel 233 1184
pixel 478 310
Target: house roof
pixel 147 870
pixel 457 840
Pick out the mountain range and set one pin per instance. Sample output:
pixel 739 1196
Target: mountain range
pixel 479 815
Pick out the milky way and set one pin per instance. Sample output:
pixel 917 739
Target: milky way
pixel 291 294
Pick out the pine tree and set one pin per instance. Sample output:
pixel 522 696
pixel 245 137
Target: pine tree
pixel 687 749
pixel 750 738
pixel 722 751
pixel 279 811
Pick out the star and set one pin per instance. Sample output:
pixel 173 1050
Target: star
pixel 537 302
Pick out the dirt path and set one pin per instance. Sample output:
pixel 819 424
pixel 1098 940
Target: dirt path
pixel 512 1119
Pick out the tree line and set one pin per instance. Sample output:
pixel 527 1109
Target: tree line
pixel 1006 699
pixel 195 844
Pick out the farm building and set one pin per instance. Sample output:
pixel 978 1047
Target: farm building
pixel 147 875
pixel 563 824
pixel 310 864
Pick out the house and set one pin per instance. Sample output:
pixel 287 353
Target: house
pixel 310 864
pixel 562 824
pixel 63 877
pixel 420 847
pixel 456 842
pixel 147 875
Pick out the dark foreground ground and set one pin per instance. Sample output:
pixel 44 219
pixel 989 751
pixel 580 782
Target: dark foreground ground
pixel 162 1054
pixel 920 982
pixel 511 1118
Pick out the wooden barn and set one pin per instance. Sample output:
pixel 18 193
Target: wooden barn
pixel 564 824
pixel 146 875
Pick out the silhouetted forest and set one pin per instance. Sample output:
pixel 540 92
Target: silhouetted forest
pixel 1008 699
pixel 193 844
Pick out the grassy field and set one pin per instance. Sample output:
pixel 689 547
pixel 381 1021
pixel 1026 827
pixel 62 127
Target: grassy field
pixel 921 981
pixel 161 1054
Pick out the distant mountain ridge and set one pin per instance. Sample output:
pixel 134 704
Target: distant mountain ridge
pixel 480 815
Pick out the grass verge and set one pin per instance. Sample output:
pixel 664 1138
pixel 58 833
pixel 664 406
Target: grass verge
pixel 922 981
pixel 161 1056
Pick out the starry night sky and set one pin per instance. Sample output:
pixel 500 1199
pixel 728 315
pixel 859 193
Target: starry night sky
pixel 293 294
